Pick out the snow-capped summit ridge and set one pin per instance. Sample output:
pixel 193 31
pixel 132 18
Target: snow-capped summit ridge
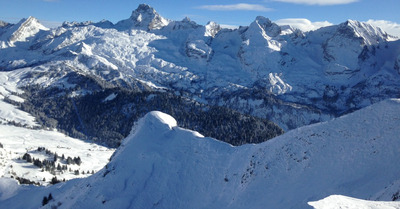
pixel 270 28
pixel 370 34
pixel 21 31
pixel 144 17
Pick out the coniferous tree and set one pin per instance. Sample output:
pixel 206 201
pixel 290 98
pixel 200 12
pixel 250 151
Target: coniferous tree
pixel 54 180
pixel 55 157
pixel 59 167
pixel 69 160
pixel 45 201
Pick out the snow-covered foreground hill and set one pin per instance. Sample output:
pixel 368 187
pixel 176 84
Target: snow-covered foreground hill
pixel 163 166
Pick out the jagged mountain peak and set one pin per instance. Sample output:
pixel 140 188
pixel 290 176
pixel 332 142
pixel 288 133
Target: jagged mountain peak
pixel 265 24
pixel 3 24
pixel 25 28
pixel 188 21
pixel 104 24
pixel 76 24
pixel 31 22
pixel 143 9
pixel 263 20
pixel 184 24
pixel 144 17
pixel 371 35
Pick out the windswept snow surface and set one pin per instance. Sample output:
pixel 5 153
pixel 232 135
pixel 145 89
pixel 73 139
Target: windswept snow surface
pixel 163 166
pixel 342 202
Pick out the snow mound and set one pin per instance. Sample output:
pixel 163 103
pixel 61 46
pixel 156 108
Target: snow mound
pixel 158 118
pixel 339 201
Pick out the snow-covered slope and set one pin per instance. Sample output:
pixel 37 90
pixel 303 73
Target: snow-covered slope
pixel 9 91
pixel 338 201
pixel 163 166
pixel 16 141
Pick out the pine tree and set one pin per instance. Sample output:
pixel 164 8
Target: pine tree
pixel 69 160
pixel 59 167
pixel 54 180
pixel 45 201
pixel 50 197
pixel 55 157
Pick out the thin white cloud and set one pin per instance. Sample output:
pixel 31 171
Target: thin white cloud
pixel 319 2
pixel 229 26
pixel 389 27
pixel 232 7
pixel 303 24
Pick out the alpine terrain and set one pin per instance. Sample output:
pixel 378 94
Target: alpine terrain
pixel 100 115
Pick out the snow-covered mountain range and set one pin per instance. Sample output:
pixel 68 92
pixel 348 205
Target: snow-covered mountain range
pixel 93 80
pixel 161 165
pixel 293 78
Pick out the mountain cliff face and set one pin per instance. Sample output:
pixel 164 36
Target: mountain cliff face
pixel 279 73
pixel 161 165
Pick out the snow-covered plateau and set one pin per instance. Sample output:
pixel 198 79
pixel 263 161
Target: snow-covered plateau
pixel 161 165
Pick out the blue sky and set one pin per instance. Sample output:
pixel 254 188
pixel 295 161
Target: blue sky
pixel 305 14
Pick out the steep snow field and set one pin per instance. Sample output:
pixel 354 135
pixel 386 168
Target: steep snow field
pixel 163 166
